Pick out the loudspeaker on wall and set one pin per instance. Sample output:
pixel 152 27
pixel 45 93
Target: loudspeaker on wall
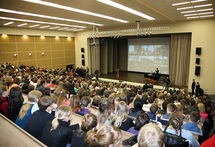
pixel 197 71
pixel 83 62
pixel 82 50
pixel 198 50
pixel 82 56
pixel 197 60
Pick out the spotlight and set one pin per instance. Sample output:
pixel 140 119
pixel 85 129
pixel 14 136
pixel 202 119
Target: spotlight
pixel 30 54
pixel 43 53
pixel 15 55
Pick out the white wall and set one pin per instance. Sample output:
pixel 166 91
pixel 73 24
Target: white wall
pixel 203 35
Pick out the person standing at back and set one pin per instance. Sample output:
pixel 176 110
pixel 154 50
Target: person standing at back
pixel 193 86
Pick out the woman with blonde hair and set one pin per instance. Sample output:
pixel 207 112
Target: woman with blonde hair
pixel 201 107
pixel 60 93
pixel 89 122
pixel 121 119
pixel 58 132
pixel 28 108
pixel 105 137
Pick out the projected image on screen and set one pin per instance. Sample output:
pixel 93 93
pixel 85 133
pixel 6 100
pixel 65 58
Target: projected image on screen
pixel 145 55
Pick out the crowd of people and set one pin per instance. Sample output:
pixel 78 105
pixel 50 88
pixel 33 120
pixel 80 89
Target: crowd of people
pixel 42 101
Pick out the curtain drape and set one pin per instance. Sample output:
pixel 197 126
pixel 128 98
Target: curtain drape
pixel 180 58
pixel 95 57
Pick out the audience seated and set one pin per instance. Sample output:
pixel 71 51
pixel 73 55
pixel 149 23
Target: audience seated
pixel 137 110
pixel 146 107
pixel 85 105
pixel 3 102
pixel 165 118
pixel 75 103
pixel 152 113
pixel 58 132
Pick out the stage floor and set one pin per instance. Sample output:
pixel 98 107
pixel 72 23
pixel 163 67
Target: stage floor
pixel 138 78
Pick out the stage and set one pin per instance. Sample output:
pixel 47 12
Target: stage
pixel 134 78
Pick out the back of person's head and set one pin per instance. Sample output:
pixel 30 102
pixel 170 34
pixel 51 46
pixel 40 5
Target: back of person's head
pixel 138 104
pixel 16 94
pixel 123 97
pixel 106 136
pixel 192 102
pixel 85 101
pixel 17 81
pixel 154 108
pixel 177 121
pixel 194 108
pixel 62 113
pixel 45 102
pixel 3 88
pixel 96 100
pixel 34 96
pixel 179 108
pixel 46 91
pixel 150 135
pixel 194 116
pixel 75 102
pixel 201 107
pixel 141 120
pixel 121 109
pixel 145 98
pixel 151 100
pixel 104 110
pixel 171 107
pixel 89 122
pixel 111 101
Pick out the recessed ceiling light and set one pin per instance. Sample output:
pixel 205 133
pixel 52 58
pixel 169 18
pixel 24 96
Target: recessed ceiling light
pixel 54 27
pixel 42 37
pixel 8 23
pixel 25 36
pixel 41 22
pixel 4 35
pixel 49 17
pixel 205 13
pixel 192 17
pixel 69 38
pixel 200 10
pixel 78 30
pixel 188 2
pixel 34 26
pixel 207 16
pixel 127 9
pixel 22 25
pixel 57 37
pixel 63 28
pixel 198 1
pixel 185 8
pixel 74 10
pixel 70 29
pixel 45 26
pixel 191 14
pixel 198 6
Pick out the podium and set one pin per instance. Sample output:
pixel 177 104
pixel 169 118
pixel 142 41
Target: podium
pixel 117 72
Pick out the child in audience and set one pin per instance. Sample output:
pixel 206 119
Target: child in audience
pixel 121 119
pixel 201 107
pixel 150 135
pixel 107 136
pixel 75 103
pixel 28 108
pixel 137 110
pixel 192 124
pixel 85 105
pixel 152 113
pixel 89 122
pixel 38 119
pixel 141 120
pixel 58 132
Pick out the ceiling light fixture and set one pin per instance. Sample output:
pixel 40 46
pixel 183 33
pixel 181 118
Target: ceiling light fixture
pixel 197 10
pixel 198 6
pixel 34 25
pixel 57 37
pixel 44 26
pixel 25 36
pixel 69 38
pixel 199 14
pixel 127 9
pixel 8 23
pixel 42 37
pixel 54 27
pixel 192 17
pixel 41 22
pixel 188 2
pixel 207 16
pixel 77 30
pixel 45 16
pixel 74 10
pixel 63 28
pixel 22 25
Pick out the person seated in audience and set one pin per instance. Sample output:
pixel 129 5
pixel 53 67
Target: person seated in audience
pixel 25 79
pixel 96 101
pixel 120 119
pixel 152 113
pixel 75 103
pixel 15 83
pixel 134 112
pixel 85 105
pixel 107 136
pixel 38 119
pixel 201 107
pixel 15 103
pixel 184 106
pixel 3 102
pixel 59 131
pixel 104 112
pixel 150 135
pixel 165 118
pixel 46 91
pixel 60 95
pixel 141 120
pixel 146 107
pixel 192 124
pixel 41 85
pixel 28 108
pixel 89 122
pixel 174 126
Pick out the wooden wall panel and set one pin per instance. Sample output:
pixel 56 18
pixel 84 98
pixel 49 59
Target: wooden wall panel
pixel 58 52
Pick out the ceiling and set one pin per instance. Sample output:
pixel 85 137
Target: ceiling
pixel 161 10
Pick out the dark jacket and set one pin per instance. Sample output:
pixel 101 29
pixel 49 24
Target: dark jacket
pixel 78 138
pixel 12 115
pixel 127 124
pixel 35 124
pixel 60 136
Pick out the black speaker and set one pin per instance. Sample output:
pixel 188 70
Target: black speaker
pixel 197 71
pixel 83 62
pixel 198 61
pixel 82 56
pixel 198 50
pixel 82 50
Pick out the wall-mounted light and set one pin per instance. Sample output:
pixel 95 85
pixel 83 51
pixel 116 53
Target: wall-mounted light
pixel 43 53
pixel 69 38
pixel 15 55
pixel 25 36
pixel 57 37
pixel 42 37
pixel 30 54
pixel 4 35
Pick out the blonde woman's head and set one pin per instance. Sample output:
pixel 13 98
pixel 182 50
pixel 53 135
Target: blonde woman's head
pixel 121 109
pixel 34 96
